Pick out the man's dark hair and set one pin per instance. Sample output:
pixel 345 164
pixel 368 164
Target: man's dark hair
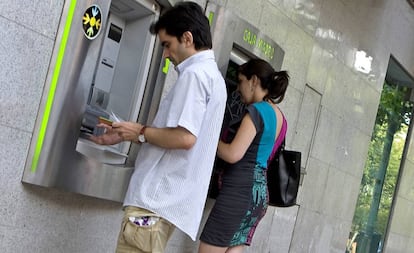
pixel 183 17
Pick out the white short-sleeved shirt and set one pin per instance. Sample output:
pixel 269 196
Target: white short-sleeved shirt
pixel 173 183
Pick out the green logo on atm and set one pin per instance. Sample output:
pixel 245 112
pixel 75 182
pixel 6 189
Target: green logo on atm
pixel 262 45
pixel 92 22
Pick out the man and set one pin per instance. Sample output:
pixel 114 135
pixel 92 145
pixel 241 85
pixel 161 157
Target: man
pixel 173 168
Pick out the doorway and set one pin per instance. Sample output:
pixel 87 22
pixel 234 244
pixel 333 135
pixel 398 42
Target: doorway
pixel 384 161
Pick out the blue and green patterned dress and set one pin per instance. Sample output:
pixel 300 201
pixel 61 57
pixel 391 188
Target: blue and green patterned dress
pixel 242 199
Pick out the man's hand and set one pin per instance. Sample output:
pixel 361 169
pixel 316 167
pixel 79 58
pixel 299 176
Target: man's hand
pixel 118 132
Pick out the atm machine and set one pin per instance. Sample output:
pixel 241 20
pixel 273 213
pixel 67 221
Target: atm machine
pixel 104 64
pixel 235 41
pixel 107 64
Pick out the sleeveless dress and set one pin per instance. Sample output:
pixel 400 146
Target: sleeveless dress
pixel 242 198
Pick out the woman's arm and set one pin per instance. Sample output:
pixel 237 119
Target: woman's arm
pixel 234 151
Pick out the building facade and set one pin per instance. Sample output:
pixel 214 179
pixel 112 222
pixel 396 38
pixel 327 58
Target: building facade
pixel 331 106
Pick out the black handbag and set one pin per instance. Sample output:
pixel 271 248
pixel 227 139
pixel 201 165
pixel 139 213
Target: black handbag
pixel 283 177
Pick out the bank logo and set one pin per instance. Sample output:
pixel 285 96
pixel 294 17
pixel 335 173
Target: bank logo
pixel 92 22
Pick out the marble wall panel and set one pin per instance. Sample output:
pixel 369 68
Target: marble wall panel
pixel 406 187
pixel 49 209
pixel 40 16
pixel 328 128
pixel 340 229
pixel 298 50
pixel 410 243
pixel 352 151
pixel 306 123
pixel 20 239
pixel 402 222
pixel 306 14
pixel 275 24
pixel 92 244
pixel 14 145
pixel 347 25
pixel 364 101
pixel 280 236
pixel 24 57
pixel 292 101
pixel 336 200
pixel 333 96
pixel 402 30
pixel 309 236
pixel 219 2
pixel 397 243
pixel 320 65
pixel 286 6
pixel 94 222
pixel 410 149
pixel 98 227
pixel 314 183
pixel 328 33
pixel 251 11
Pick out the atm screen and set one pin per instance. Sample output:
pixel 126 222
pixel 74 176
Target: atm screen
pixel 234 108
pixel 115 33
pixel 231 76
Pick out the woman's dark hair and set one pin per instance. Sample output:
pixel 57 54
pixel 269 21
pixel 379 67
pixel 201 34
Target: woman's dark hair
pixel 183 17
pixel 275 82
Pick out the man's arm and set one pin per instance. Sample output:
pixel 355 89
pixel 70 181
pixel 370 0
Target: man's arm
pixel 171 138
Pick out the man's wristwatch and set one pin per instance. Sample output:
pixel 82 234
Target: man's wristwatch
pixel 141 136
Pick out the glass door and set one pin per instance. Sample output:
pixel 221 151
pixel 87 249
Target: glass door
pixel 382 167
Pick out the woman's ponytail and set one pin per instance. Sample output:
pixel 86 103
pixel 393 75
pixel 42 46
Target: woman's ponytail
pixel 277 85
pixel 275 82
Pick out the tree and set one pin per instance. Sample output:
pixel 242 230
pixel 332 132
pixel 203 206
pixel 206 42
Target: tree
pixel 382 166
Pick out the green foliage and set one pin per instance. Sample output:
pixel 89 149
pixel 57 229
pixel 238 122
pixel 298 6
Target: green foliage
pixel 394 108
pixel 394 105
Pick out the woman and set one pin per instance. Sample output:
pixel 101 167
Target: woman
pixel 242 200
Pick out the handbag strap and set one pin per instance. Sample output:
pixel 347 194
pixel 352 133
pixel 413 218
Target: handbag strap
pixel 280 140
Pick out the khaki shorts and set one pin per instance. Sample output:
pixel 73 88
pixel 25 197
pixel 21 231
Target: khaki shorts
pixel 148 238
